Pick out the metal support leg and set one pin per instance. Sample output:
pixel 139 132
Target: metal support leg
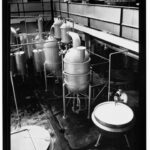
pixel 45 77
pixel 97 142
pixel 64 103
pixel 11 78
pixel 127 141
pixel 89 102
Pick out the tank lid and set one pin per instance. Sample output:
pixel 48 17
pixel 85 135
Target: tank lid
pixel 65 25
pixel 51 38
pixel 37 50
pixel 19 53
pixel 58 22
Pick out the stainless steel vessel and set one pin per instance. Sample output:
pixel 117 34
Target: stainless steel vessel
pixel 51 52
pixel 38 58
pixel 77 69
pixel 65 27
pixel 20 62
pixel 76 83
pixel 57 31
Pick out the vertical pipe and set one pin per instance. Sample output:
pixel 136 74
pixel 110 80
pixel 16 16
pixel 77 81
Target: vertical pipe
pixel 60 8
pixel 52 11
pixel 11 78
pixel 89 102
pixel 64 103
pixel 26 30
pixel 40 26
pixel 109 73
pixel 45 77
pixel 68 9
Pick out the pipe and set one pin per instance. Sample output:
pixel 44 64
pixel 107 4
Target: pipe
pixel 15 100
pixel 118 49
pixel 89 102
pixel 40 26
pixel 110 55
pixel 75 39
pixel 31 43
pixel 64 103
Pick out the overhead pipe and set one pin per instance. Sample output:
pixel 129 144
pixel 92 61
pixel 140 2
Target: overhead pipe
pixel 109 75
pixel 75 39
pixel 118 49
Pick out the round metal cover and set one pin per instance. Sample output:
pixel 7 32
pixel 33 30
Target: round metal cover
pixel 30 138
pixel 113 117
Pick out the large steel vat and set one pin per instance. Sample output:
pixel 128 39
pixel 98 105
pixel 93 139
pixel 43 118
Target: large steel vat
pixel 57 31
pixel 76 83
pixel 76 69
pixel 38 58
pixel 65 27
pixel 51 52
pixel 20 62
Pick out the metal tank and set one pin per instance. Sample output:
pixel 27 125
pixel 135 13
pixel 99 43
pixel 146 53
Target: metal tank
pixel 65 27
pixel 76 83
pixel 20 62
pixel 24 40
pixel 56 26
pixel 77 69
pixel 51 53
pixel 38 59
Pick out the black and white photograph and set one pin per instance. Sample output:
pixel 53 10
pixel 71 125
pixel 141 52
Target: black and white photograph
pixel 74 75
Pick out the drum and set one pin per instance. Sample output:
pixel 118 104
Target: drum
pixel 38 58
pixel 20 62
pixel 113 117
